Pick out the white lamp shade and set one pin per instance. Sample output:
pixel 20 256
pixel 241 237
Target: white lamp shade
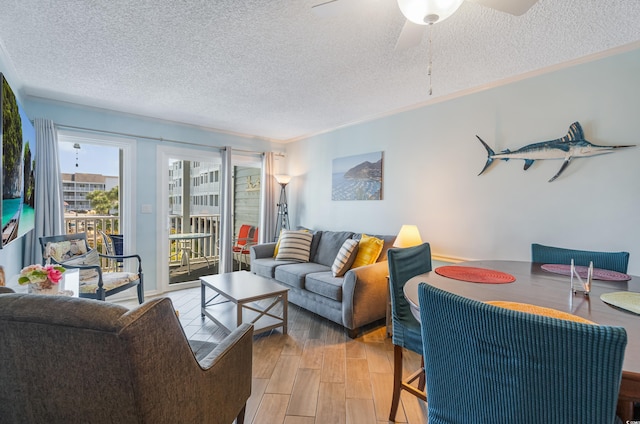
pixel 408 236
pixel 282 178
pixel 423 12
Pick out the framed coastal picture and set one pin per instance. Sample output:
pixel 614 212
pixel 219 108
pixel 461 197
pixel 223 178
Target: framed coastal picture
pixel 18 148
pixel 357 177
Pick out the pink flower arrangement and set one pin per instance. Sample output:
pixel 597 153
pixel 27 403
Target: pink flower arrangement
pixel 42 275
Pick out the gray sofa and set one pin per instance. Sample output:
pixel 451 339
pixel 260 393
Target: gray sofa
pixel 356 299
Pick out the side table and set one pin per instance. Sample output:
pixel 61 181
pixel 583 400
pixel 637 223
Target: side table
pixel 68 286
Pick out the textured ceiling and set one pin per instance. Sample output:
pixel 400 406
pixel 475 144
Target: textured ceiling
pixel 273 68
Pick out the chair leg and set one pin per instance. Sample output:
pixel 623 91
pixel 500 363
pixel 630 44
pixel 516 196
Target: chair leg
pixel 140 293
pixel 422 380
pixel 397 381
pixel 399 384
pixel 240 417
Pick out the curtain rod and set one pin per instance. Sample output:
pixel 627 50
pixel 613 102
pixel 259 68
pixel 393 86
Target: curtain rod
pixel 168 140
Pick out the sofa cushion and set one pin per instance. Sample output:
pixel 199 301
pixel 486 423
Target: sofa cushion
pixel 294 274
pixel 329 245
pixel 266 267
pixel 388 244
pixel 345 258
pixel 294 246
pixel 325 284
pixel 110 281
pixel 315 241
pixel 369 249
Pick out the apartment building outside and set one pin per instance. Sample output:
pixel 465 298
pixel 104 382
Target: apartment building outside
pixel 75 188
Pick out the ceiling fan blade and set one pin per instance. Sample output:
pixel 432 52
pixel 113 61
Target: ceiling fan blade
pixel 333 8
pixel 513 7
pixel 410 36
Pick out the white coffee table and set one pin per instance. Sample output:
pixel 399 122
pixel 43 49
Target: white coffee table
pixel 246 297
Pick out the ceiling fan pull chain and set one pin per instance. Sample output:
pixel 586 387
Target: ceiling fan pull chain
pixel 430 59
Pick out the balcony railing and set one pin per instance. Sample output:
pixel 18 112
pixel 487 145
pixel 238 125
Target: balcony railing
pixel 203 249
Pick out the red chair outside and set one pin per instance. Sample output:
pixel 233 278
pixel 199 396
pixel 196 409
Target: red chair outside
pixel 245 251
pixel 240 242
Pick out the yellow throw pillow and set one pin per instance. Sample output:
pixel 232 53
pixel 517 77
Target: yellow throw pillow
pixel 275 250
pixel 369 249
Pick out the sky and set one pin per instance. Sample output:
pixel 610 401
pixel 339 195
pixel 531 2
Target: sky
pixel 92 159
pixel 346 163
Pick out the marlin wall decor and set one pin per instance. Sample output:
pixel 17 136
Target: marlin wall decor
pixel 571 145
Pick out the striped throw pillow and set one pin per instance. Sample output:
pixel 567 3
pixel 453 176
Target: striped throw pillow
pixel 345 258
pixel 294 246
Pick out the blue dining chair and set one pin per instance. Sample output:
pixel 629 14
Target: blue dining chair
pixel 613 261
pixel 486 364
pixel 404 264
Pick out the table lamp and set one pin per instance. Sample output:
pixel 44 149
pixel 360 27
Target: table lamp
pixel 408 236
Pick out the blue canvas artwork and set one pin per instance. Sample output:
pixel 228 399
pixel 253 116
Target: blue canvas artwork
pixel 357 177
pixel 18 146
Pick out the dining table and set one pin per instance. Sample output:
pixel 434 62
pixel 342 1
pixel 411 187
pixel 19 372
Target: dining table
pixel 536 285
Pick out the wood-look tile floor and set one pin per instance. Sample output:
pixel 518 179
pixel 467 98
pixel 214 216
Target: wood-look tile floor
pixel 315 374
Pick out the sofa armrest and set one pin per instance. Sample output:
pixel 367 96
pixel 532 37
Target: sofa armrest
pixel 264 250
pixel 364 294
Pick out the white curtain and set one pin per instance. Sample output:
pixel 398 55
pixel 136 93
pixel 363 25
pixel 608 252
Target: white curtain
pixel 226 220
pixel 267 199
pixel 49 204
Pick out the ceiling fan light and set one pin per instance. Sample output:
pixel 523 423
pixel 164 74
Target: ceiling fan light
pixel 423 12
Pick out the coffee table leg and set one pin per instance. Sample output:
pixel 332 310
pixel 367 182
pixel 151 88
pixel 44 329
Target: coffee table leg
pixel 239 314
pixel 285 305
pixel 202 298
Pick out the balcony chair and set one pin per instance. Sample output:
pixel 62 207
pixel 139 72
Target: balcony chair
pixel 613 261
pixel 240 242
pixel 70 360
pixel 73 251
pixel 113 247
pixel 487 364
pixel 403 265
pixel 246 251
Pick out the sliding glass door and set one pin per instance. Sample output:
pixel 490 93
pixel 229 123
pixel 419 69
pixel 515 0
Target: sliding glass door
pixel 190 210
pixel 97 181
pixel 189 196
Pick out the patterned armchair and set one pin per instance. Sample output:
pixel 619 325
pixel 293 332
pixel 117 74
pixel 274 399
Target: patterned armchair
pixel 72 251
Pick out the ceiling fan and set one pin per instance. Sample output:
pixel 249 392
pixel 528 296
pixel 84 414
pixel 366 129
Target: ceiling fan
pixel 422 13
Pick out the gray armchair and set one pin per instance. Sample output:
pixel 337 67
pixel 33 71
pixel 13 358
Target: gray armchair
pixel 70 360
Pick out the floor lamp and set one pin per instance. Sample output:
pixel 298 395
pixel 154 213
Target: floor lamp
pixel 282 220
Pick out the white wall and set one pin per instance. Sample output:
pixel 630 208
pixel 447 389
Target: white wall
pixel 432 158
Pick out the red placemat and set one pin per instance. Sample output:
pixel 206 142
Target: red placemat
pixel 475 275
pixel 598 273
